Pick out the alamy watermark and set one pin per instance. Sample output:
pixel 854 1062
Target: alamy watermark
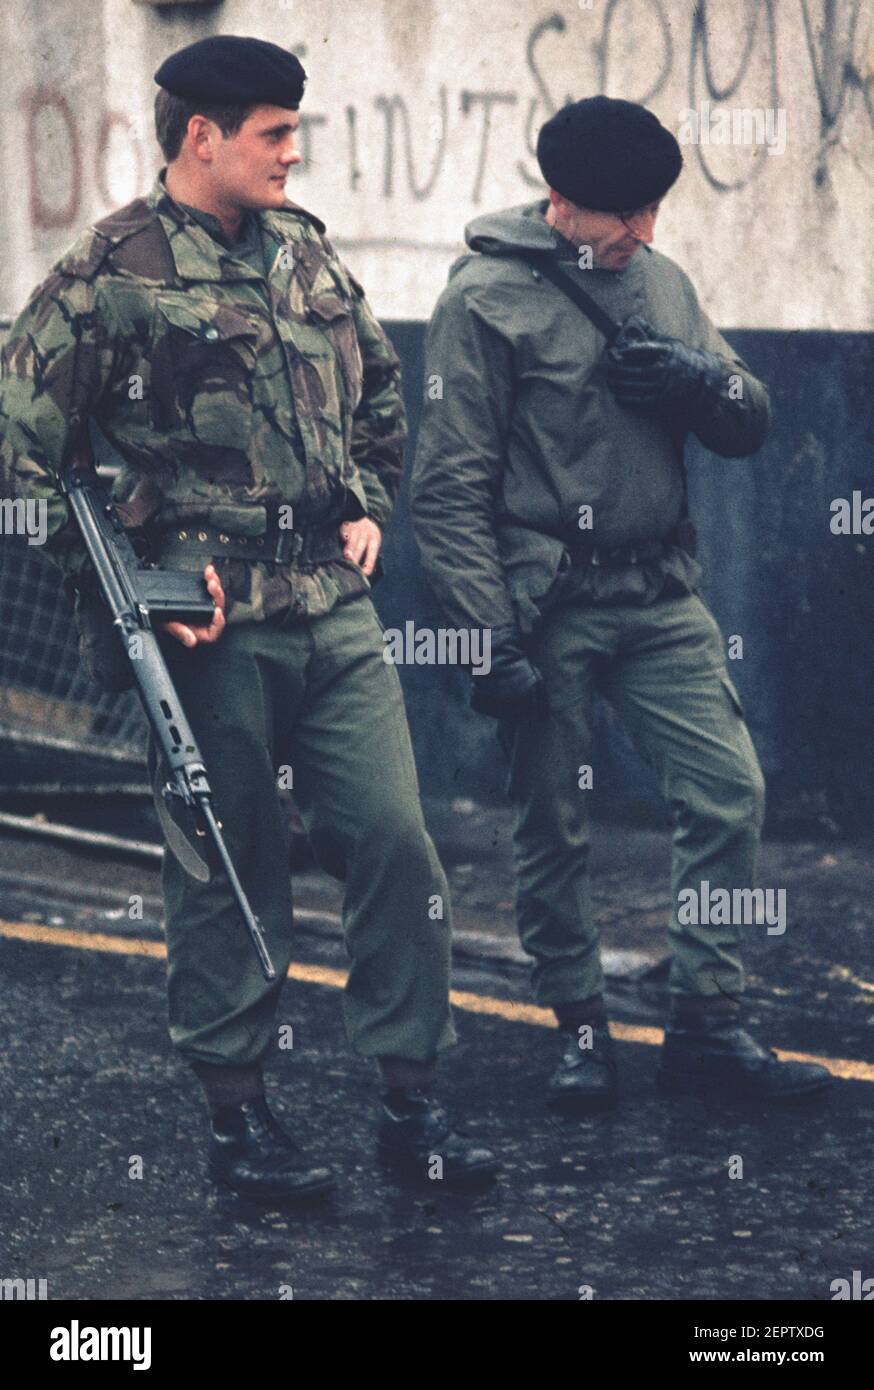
pixel 857 1288
pixel 76 1343
pixel 738 907
pixel 852 516
pixel 29 517
pixel 24 1289
pixel 442 646
pixel 710 124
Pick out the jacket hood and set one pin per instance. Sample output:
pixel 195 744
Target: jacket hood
pixel 513 230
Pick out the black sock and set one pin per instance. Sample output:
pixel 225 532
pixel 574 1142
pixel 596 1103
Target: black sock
pixel 229 1084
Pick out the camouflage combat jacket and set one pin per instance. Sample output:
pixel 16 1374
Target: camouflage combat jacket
pixel 228 393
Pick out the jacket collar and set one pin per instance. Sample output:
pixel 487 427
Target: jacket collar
pixel 196 254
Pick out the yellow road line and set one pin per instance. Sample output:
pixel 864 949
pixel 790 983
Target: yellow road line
pixel 85 940
pixel 847 1068
pixel 544 1018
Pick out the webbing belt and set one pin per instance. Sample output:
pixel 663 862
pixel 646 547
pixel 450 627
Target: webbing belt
pixel 584 553
pixel 544 263
pixel 278 545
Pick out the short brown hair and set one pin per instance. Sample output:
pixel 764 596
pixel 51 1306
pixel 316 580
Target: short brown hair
pixel 173 113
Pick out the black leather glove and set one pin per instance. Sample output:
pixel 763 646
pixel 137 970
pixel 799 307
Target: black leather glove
pixel 648 372
pixel 513 688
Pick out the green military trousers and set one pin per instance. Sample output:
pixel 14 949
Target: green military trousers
pixel 662 669
pixel 319 699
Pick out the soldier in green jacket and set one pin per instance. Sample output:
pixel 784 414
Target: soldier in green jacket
pixel 234 363
pixel 548 499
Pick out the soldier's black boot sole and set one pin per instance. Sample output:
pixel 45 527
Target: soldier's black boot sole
pixel 250 1154
pixel 279 1193
pixel 728 1064
pixel 302 1186
pixel 704 1088
pixel 415 1140
pixel 585 1082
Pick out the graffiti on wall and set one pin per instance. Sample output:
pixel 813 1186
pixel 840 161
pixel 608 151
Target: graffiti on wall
pixel 697 53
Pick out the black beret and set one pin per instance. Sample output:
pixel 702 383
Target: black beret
pixel 224 70
pixel 608 155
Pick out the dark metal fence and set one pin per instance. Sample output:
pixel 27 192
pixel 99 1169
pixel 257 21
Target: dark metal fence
pixel 47 703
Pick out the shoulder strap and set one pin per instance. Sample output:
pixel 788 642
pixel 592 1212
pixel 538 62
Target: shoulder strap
pixel 545 264
pixel 289 206
pixel 145 250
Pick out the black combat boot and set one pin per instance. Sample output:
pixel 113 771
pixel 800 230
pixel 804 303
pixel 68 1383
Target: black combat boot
pixel 586 1077
pixel 250 1153
pixel 415 1135
pixel 709 1053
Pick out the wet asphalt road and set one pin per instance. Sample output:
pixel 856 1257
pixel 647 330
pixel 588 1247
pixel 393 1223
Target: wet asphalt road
pixel 636 1205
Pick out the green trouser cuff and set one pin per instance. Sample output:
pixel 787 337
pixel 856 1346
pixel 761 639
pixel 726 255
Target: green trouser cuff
pixel 580 977
pixel 702 1010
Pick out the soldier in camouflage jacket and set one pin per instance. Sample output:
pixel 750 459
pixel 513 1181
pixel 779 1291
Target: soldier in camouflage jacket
pixel 229 385
pixel 233 362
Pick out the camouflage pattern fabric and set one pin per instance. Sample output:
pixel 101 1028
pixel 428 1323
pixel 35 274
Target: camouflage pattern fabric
pixel 225 392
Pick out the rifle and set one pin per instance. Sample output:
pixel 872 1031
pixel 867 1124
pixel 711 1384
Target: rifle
pixel 137 593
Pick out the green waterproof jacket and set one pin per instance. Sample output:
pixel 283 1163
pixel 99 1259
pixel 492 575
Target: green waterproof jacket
pixel 520 429
pixel 229 386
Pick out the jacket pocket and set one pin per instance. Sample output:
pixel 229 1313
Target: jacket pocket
pixel 329 312
pixel 535 567
pixel 203 356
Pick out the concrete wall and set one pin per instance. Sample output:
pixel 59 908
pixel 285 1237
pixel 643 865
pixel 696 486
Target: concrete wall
pixel 419 115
